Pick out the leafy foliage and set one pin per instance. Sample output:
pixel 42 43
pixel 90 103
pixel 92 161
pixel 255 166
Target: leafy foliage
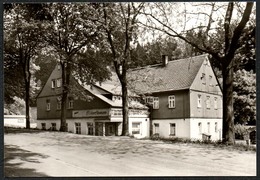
pixel 245 97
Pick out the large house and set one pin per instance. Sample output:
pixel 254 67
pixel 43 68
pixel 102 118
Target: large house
pixel 96 110
pixel 184 98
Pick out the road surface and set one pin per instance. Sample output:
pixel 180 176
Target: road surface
pixel 65 154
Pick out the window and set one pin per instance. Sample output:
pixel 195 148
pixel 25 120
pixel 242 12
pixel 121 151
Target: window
pixel 58 105
pixel 216 127
pixel 53 83
pixel 210 80
pixel 71 104
pixel 203 78
pixel 58 66
pixel 43 126
pixel 156 102
pixel 171 101
pixel 199 101
pixel 53 126
pixel 200 127
pixel 208 102
pixel 136 128
pixel 215 103
pixel 59 82
pixel 78 128
pixel 208 124
pixel 173 129
pixel 90 128
pixel 48 106
pixel 149 100
pixel 156 128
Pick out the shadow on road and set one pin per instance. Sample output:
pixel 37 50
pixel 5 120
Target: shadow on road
pixel 12 168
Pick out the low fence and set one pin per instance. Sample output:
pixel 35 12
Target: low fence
pixel 17 121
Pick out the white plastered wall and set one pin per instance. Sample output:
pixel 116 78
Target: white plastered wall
pixel 71 124
pixel 144 126
pixel 182 127
pixel 216 134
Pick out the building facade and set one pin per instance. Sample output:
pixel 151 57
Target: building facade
pixel 184 97
pixel 92 111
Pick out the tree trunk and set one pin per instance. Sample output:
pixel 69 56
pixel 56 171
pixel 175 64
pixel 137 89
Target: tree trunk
pixel 27 104
pixel 123 80
pixel 125 129
pixel 228 113
pixel 66 70
pixel 27 78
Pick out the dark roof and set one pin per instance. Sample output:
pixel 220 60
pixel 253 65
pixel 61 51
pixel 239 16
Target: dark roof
pixel 176 75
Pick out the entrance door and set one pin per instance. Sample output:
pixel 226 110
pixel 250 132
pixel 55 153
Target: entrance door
pixel 99 129
pixel 110 129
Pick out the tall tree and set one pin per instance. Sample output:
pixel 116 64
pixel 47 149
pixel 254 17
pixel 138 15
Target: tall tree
pixel 22 43
pixel 120 24
pixel 70 34
pixel 223 49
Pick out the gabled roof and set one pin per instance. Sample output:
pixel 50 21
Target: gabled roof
pixel 113 86
pixel 99 94
pixel 176 75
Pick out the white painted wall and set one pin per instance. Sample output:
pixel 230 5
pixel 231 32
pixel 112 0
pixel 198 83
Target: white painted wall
pixel 144 126
pixel 15 121
pixel 144 129
pixel 194 131
pixel 182 127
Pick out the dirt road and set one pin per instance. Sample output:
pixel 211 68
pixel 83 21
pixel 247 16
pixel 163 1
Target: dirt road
pixel 63 154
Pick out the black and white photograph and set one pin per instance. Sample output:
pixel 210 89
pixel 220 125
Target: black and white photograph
pixel 129 89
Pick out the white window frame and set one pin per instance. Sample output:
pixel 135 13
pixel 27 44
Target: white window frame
pixel 43 126
pixel 215 103
pixel 53 126
pixel 48 106
pixel 58 82
pixel 200 127
pixel 208 102
pixel 90 125
pixel 171 101
pixel 71 104
pixel 156 103
pixel 210 80
pixel 156 128
pixel 199 101
pixel 203 78
pixel 208 126
pixel 53 83
pixel 77 128
pixel 172 129
pixel 149 100
pixel 137 128
pixel 58 105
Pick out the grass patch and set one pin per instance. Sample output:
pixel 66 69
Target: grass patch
pixel 215 144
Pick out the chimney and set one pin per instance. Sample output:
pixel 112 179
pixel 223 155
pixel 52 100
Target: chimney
pixel 165 60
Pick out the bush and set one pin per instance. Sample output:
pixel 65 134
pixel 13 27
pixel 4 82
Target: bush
pixel 240 131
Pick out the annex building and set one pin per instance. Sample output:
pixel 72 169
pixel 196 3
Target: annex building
pixel 182 99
